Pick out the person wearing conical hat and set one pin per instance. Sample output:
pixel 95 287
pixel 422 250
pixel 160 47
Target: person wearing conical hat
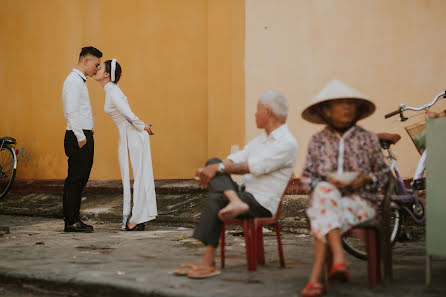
pixel 344 165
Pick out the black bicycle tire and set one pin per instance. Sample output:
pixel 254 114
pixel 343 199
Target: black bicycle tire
pixel 352 251
pixel 362 255
pixel 397 191
pixel 11 181
pixel 423 215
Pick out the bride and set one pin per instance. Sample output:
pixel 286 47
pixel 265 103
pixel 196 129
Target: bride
pixel 134 142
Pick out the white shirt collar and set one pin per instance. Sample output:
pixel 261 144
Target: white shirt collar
pixel 80 73
pixel 276 133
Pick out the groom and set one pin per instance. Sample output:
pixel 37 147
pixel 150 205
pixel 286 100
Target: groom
pixel 78 142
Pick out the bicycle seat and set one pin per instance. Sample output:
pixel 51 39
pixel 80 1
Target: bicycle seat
pixel 7 140
pixel 387 139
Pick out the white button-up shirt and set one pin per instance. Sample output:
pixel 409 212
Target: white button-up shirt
pixel 76 104
pixel 271 159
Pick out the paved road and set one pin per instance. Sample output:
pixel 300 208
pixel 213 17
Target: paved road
pixel 110 262
pixel 12 290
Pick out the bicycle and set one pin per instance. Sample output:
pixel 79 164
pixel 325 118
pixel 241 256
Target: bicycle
pixel 8 164
pixel 405 202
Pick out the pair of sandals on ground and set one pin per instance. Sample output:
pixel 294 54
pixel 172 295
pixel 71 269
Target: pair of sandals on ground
pixel 338 273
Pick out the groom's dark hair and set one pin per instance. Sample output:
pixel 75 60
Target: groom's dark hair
pixel 90 50
pixel 118 70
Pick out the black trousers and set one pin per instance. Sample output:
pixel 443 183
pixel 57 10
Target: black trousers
pixel 80 161
pixel 209 226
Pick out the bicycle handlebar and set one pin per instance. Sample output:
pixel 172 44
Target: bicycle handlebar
pixel 391 114
pixel 425 106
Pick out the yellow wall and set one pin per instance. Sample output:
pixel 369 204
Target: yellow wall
pixel 391 50
pixel 226 108
pixel 182 71
pixel 187 70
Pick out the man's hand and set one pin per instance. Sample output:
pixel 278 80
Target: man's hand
pixel 82 143
pixel 204 175
pixel 148 128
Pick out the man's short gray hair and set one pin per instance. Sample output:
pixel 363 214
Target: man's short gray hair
pixel 278 103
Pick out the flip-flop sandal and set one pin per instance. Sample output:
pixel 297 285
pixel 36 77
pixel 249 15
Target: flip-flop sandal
pixel 200 272
pixel 184 269
pixel 313 290
pixel 338 273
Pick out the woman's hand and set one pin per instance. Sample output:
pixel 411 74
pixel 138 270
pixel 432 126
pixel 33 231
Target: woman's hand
pixel 148 128
pixel 360 181
pixel 340 186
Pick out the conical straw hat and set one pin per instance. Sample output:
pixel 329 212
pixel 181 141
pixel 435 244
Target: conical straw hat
pixel 336 90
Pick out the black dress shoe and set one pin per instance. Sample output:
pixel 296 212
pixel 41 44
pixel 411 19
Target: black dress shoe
pixel 138 227
pixel 78 227
pixel 85 225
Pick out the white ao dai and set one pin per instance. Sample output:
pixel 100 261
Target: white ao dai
pixel 134 142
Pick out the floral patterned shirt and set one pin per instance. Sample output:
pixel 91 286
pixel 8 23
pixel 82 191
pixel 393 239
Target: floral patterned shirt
pixel 360 151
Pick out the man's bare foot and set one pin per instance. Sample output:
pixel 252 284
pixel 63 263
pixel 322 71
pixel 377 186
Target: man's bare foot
pixel 233 210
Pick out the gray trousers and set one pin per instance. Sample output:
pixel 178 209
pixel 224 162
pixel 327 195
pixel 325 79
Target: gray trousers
pixel 209 226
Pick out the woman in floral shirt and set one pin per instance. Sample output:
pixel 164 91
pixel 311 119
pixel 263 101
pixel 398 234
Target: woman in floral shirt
pixel 344 166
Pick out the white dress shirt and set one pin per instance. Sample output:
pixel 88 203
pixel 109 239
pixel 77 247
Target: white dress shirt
pixel 271 159
pixel 76 104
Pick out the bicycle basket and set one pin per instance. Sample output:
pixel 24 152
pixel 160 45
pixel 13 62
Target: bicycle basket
pixel 417 133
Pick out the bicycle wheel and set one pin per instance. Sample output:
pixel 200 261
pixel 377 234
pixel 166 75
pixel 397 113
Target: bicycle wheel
pixel 8 166
pixel 418 209
pixel 357 248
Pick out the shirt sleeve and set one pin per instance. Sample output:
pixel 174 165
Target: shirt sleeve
pixel 124 108
pixel 240 156
pixel 71 95
pixel 280 155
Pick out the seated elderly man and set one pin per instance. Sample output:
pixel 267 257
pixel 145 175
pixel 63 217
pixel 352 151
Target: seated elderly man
pixel 266 164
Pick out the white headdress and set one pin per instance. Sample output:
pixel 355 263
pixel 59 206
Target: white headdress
pixel 113 69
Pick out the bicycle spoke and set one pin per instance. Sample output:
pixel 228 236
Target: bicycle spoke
pixel 6 163
pixel 7 166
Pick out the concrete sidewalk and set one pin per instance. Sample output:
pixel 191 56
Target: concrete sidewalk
pixel 110 262
pixel 181 209
pixel 170 186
